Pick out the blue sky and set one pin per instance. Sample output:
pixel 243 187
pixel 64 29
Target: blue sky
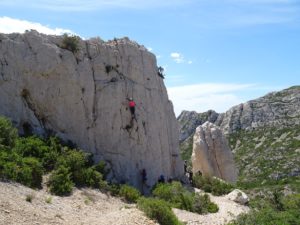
pixel 216 53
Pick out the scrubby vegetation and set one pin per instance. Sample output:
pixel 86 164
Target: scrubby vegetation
pixel 274 209
pixel 268 161
pixel 212 185
pixel 70 42
pixel 267 156
pixel 130 194
pixel 60 182
pixel 179 197
pixel 26 159
pixel 158 210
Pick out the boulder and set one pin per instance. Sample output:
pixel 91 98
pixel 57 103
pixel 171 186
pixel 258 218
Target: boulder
pixel 211 154
pixel 238 196
pixel 81 97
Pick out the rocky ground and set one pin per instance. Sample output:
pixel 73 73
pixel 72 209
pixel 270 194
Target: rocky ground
pixel 87 206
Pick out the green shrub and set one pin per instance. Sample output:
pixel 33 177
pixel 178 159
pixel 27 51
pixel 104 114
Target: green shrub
pixel 202 204
pixel 8 133
pixel 10 171
pixel 291 202
pixel 104 186
pixel 76 162
pixel 81 173
pixel 35 169
pixel 158 210
pixel 60 182
pixel 114 189
pixel 92 178
pixel 70 43
pixel 49 160
pixel 31 147
pixel 187 201
pixel 55 150
pixel 171 192
pixel 267 211
pixel 24 160
pixel 27 171
pixel 101 168
pixel 212 185
pixel 267 216
pixel 3 160
pixel 179 197
pixel 130 194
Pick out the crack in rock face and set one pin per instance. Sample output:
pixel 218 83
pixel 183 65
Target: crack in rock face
pixel 72 95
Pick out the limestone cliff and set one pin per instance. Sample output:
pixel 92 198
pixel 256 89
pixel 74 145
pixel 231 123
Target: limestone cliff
pixel 188 121
pixel 280 109
pixel 276 109
pixel 82 97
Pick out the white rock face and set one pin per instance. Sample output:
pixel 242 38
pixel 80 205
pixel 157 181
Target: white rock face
pixel 211 153
pixel 81 97
pixel 238 196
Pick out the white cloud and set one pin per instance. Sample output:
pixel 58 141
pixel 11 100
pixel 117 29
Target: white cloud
pixel 177 57
pixel 202 97
pixel 10 25
pixel 149 49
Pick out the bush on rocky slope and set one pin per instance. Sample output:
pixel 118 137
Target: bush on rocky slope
pixel 276 209
pixel 26 159
pixel 212 185
pixel 158 210
pixel 181 198
pixel 70 42
pixel 130 194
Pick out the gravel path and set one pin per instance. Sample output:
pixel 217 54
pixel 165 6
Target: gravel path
pixel 91 207
pixel 84 206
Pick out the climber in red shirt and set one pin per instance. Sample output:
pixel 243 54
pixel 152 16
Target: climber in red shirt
pixel 132 107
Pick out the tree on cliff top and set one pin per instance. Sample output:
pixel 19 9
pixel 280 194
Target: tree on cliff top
pixel 70 42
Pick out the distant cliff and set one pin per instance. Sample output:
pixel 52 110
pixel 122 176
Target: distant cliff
pixel 81 96
pixel 263 134
pixel 280 109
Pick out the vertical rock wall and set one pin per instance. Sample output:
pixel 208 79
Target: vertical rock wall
pixel 211 153
pixel 81 97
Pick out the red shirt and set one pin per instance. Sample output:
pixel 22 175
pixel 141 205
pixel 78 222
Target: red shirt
pixel 131 104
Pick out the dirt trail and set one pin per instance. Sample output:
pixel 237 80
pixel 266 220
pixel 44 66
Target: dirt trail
pixel 91 207
pixel 84 207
